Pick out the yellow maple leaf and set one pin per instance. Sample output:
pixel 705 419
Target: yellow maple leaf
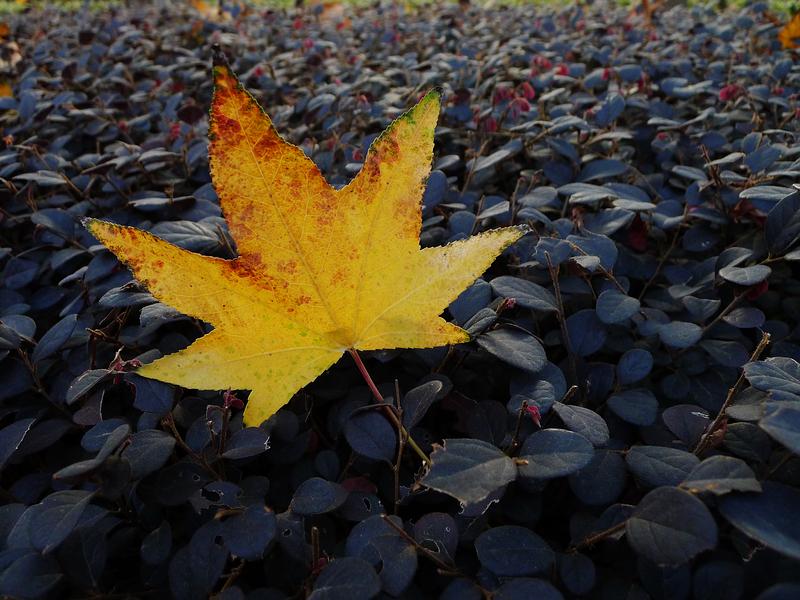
pixel 790 32
pixel 320 271
pixel 209 12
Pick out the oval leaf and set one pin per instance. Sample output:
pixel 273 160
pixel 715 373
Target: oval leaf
pixel 614 307
pixel 769 517
pixel 670 527
pixel 554 453
pixel 513 551
pixel 469 470
pixel 526 293
pixel 515 347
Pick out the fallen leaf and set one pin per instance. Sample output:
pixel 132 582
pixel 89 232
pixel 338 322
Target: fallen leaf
pixel 319 270
pixel 790 32
pixel 329 12
pixel 209 12
pixel 203 7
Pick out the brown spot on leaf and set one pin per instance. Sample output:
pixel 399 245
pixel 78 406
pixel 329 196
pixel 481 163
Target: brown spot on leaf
pixel 243 267
pixel 225 126
pixel 267 144
pixel 287 266
pixel 250 267
pixel 408 217
pixel 243 213
pixel 390 149
pixel 325 209
pixel 338 276
pixel 372 168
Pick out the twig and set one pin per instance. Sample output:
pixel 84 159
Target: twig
pixel 390 411
pixel 512 449
pixel 471 172
pixel 705 440
pixel 444 568
pixel 733 304
pixel 666 255
pixel 569 394
pixel 315 551
pixel 350 460
pixel 512 205
pixel 38 385
pixel 573 367
pixel 234 575
pixel 169 421
pixel 646 181
pixel 450 351
pixel 606 273
pixel 221 235
pixel 573 389
pixel 772 470
pixel 478 211
pixel 596 537
pixel 401 445
pixel 72 186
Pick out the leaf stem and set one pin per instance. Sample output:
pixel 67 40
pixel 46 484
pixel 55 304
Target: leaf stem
pixel 236 571
pixel 666 254
pixel 169 421
pixel 512 449
pixel 772 470
pixel 706 438
pixel 315 549
pixel 606 273
pixel 401 445
pixel 444 568
pixel 471 172
pixel 733 304
pixel 725 311
pixel 562 322
pixel 596 537
pixel 389 410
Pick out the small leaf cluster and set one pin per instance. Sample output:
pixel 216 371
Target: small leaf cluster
pixel 626 419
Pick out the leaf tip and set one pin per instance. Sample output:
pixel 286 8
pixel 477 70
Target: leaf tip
pixel 224 77
pixel 513 233
pixel 427 108
pixel 434 94
pixel 218 57
pixel 523 229
pixel 432 100
pixel 89 224
pixel 462 337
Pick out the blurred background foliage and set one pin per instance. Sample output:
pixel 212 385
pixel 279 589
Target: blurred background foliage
pixel 783 7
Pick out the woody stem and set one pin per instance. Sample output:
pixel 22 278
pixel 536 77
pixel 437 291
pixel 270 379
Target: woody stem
pixel 705 440
pixel 388 409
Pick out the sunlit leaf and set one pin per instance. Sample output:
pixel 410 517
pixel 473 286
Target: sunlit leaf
pixel 319 270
